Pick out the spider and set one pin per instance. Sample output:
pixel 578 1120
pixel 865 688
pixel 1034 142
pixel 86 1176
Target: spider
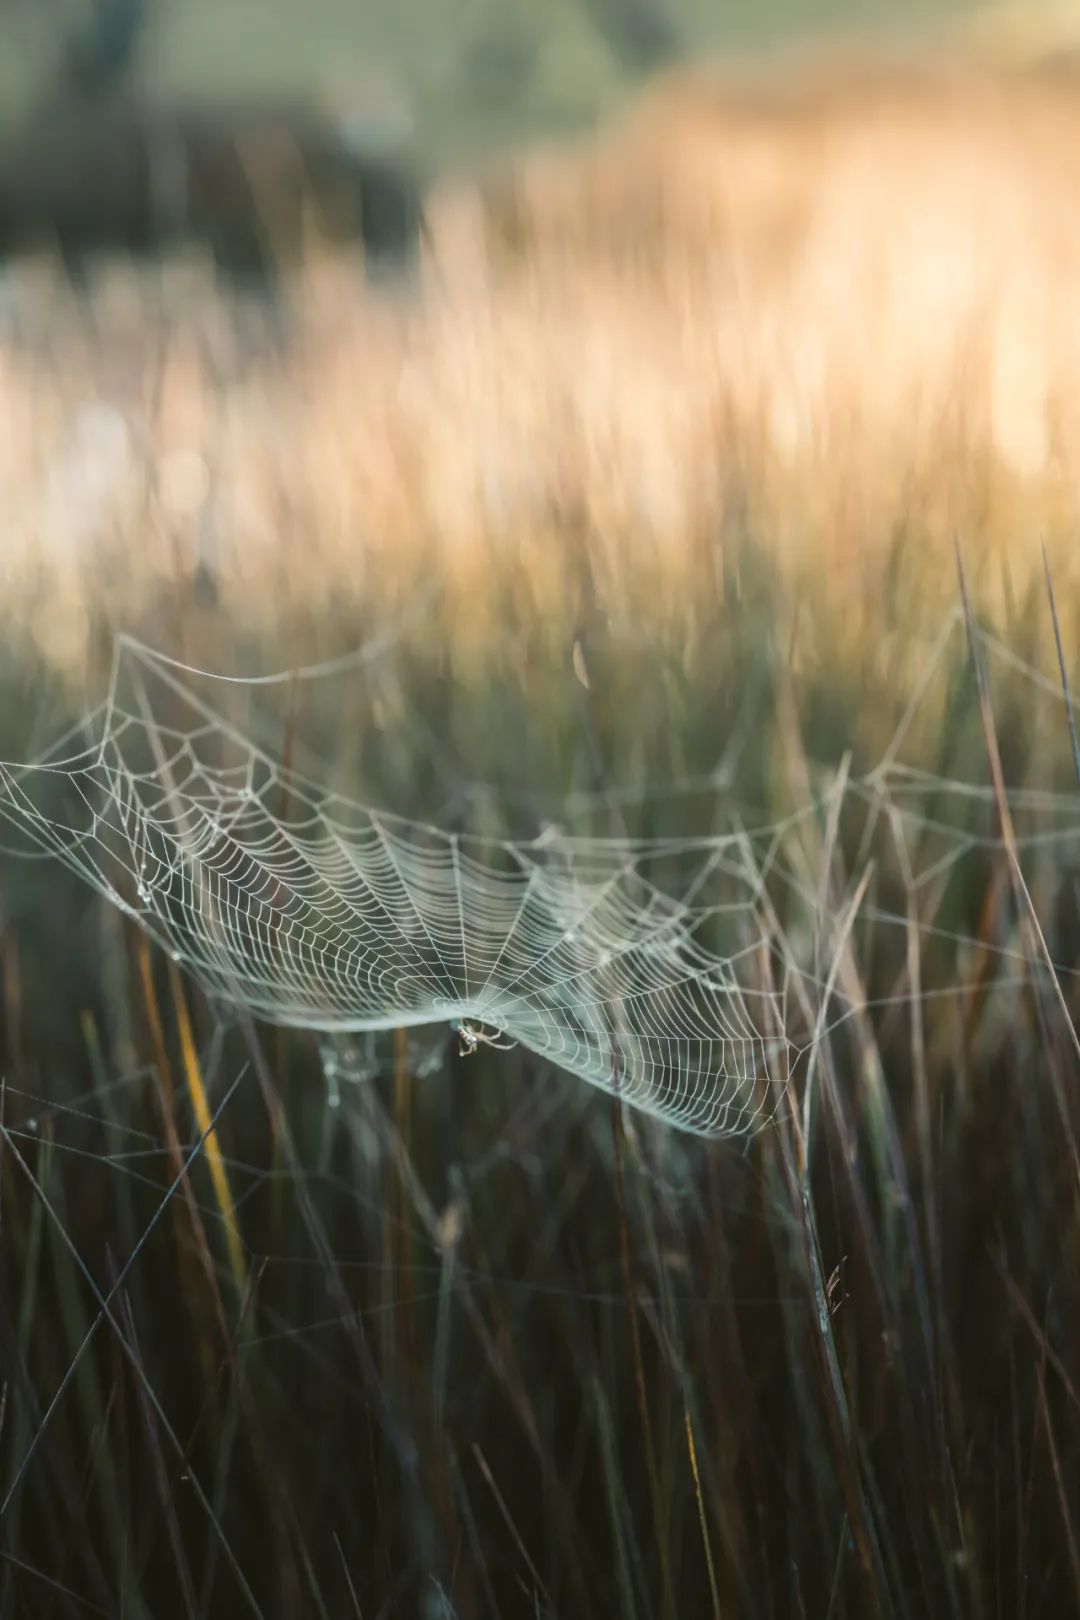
pixel 471 1036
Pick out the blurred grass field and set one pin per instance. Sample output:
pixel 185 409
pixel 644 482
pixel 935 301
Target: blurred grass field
pixel 477 75
pixel 646 547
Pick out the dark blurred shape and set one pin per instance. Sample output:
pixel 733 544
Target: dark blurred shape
pixel 100 52
pixel 250 182
pixel 101 169
pixel 642 33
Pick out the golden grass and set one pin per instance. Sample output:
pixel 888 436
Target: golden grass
pixel 832 308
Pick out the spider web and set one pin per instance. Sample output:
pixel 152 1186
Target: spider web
pixel 631 964
pixel 642 966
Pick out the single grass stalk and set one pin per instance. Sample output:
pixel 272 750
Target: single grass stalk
pixel 353 1599
pixel 84 1604
pixel 705 1541
pixel 1062 1495
pixel 1046 1351
pixel 660 1518
pixel 406 1331
pixel 218 1174
pixel 176 1156
pixel 1058 643
pixel 616 1501
pixel 1008 838
pixel 508 1520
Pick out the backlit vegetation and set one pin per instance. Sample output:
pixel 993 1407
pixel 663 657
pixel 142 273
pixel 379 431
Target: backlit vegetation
pixel 650 491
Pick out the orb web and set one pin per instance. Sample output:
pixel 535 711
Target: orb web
pixel 634 965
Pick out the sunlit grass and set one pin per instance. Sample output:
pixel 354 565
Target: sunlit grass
pixel 470 1342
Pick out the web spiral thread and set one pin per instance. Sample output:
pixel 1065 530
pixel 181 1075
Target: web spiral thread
pixel 312 911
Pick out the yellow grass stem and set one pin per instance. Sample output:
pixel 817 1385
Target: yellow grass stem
pixel 218 1173
pixel 691 1449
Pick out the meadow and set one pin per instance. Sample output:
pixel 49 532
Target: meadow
pixel 714 477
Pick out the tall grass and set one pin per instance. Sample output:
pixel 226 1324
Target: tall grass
pixel 470 1342
pixel 378 1329
pixel 832 308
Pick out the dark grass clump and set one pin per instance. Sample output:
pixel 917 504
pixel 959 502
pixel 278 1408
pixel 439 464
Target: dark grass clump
pixel 383 1330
